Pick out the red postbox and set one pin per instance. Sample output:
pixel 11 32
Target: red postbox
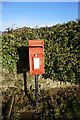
pixel 36 56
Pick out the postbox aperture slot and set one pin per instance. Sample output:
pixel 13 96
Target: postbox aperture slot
pixel 35 46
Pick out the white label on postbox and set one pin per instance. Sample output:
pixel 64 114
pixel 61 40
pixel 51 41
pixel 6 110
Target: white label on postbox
pixel 36 63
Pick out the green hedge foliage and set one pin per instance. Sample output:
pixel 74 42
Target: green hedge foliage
pixel 61 49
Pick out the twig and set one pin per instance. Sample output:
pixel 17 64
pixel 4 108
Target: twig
pixel 11 107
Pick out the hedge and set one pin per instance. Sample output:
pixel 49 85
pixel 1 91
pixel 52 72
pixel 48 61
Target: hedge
pixel 61 49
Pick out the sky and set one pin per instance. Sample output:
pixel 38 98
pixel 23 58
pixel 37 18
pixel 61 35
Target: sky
pixel 32 14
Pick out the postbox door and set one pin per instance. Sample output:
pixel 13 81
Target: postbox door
pixel 37 64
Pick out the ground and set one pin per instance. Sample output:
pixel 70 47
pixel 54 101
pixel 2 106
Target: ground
pixel 56 100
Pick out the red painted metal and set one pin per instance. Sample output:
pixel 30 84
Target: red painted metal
pixel 36 56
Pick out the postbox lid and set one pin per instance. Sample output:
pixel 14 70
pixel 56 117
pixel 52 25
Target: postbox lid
pixel 36 43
